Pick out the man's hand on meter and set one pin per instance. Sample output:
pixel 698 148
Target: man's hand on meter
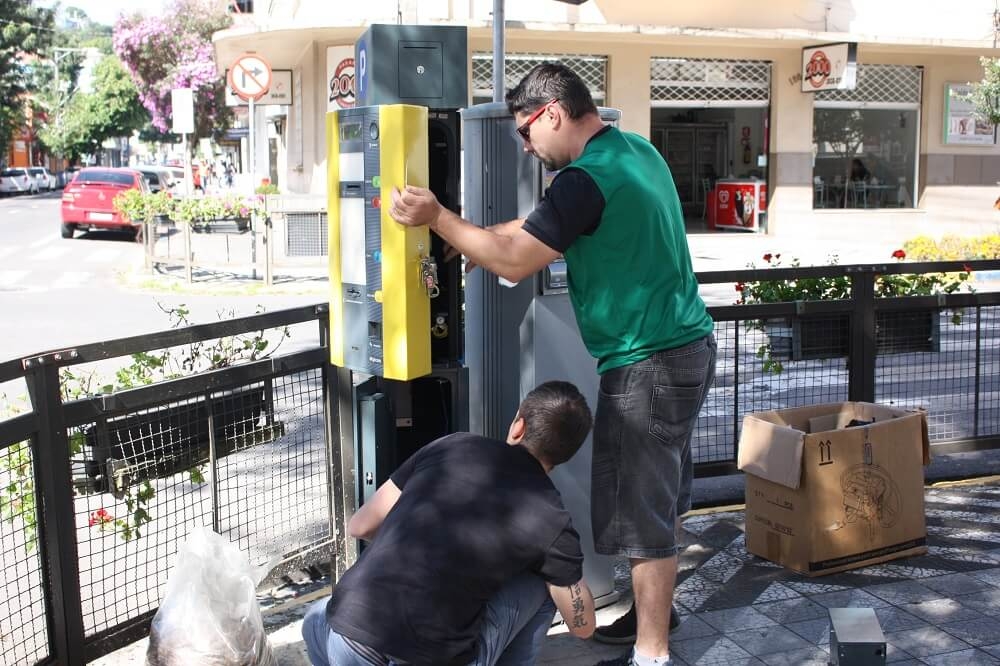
pixel 414 206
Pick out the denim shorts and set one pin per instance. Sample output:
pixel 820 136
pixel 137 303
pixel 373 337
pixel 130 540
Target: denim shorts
pixel 642 467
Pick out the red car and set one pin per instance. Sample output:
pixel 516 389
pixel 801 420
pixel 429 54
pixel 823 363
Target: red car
pixel 87 199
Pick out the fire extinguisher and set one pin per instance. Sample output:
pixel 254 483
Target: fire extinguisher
pixel 746 153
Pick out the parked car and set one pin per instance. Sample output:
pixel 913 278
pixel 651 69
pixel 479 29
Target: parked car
pixel 15 181
pixel 87 199
pixel 158 178
pixel 43 177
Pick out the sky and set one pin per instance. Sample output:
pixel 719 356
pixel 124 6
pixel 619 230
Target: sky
pixel 107 11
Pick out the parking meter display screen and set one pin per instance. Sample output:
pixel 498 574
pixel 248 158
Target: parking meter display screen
pixel 350 132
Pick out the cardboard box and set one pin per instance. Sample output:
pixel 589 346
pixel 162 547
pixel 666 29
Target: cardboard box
pixel 834 487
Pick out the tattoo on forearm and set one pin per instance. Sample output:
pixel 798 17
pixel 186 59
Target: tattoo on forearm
pixel 576 597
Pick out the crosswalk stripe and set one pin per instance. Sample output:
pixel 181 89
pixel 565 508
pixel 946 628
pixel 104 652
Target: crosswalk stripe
pixel 41 241
pixel 50 253
pixel 103 255
pixel 71 279
pixel 9 278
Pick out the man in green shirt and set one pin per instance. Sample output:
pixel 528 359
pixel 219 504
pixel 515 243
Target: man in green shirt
pixel 614 213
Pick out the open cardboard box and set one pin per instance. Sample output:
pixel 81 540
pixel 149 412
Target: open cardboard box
pixel 834 487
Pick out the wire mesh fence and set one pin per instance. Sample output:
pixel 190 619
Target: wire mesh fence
pixel 24 635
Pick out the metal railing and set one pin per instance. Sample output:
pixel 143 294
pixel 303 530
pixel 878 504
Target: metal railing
pixel 100 491
pixel 256 449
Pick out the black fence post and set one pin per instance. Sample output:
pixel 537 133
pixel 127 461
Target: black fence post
pixel 862 352
pixel 57 515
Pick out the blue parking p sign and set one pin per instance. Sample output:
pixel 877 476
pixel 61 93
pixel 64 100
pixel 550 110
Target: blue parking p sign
pixel 362 72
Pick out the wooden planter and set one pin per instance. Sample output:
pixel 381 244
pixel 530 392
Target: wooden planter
pixel 828 336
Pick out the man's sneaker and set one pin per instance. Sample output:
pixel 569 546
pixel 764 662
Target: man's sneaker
pixel 622 630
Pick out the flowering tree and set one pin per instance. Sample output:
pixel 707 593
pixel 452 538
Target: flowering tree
pixel 175 51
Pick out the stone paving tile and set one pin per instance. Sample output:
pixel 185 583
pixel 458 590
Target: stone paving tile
pixel 692 626
pixel 953 584
pixel 986 602
pixel 850 599
pixel 694 592
pixel 940 611
pixel 712 650
pixel 809 587
pixel 988 576
pixel 980 631
pixel 736 619
pixel 768 640
pixel 893 655
pixel 816 631
pixel 994 650
pixel 777 592
pixel 925 642
pixel 806 657
pixel 903 592
pixel 793 610
pixel 896 619
pixel 962 658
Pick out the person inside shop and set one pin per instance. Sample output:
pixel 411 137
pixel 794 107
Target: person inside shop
pixel 470 551
pixel 613 212
pixel 859 172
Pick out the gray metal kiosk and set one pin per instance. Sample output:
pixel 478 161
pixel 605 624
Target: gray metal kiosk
pixel 517 336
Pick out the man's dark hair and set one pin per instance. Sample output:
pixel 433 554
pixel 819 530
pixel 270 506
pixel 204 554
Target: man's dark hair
pixel 556 421
pixel 547 82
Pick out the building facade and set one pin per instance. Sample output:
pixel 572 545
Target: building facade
pixel 716 86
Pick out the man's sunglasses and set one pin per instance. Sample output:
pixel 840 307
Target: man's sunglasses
pixel 524 129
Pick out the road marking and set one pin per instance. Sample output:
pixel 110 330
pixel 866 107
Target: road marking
pixel 50 253
pixel 71 279
pixel 104 255
pixel 41 241
pixel 4 251
pixel 9 278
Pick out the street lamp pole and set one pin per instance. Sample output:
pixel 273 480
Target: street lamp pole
pixel 58 53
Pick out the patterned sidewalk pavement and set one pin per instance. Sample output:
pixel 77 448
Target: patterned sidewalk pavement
pixel 936 609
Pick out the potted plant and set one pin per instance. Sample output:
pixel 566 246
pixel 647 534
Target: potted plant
pixel 224 214
pixel 827 336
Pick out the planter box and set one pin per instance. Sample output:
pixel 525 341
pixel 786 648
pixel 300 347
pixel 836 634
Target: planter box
pixel 828 336
pixel 222 226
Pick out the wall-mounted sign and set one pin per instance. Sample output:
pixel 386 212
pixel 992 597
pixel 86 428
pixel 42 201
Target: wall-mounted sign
pixel 340 71
pixel 280 91
pixel 830 67
pixel 961 125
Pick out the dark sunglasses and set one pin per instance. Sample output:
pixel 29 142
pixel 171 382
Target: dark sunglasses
pixel 524 129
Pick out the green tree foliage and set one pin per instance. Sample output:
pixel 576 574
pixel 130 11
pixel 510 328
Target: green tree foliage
pixel 25 32
pixel 111 110
pixel 986 93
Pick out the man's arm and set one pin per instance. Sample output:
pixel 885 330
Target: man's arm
pixel 576 606
pixel 509 251
pixel 366 521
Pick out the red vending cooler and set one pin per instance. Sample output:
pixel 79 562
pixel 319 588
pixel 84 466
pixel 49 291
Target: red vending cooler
pixel 738 204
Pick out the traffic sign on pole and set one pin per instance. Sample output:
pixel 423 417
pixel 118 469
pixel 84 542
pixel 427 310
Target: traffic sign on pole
pixel 250 76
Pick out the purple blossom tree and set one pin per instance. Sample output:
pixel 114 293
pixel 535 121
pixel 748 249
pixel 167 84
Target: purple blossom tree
pixel 175 51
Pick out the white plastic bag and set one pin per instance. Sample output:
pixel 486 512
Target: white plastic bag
pixel 209 615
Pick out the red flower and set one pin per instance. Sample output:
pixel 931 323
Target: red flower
pixel 100 517
pixel 899 254
pixel 739 286
pixel 767 257
pixel 966 268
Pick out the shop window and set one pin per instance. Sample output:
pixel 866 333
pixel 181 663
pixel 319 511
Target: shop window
pixel 865 141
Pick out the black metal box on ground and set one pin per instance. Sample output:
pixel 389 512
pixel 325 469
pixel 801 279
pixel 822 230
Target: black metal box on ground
pixel 856 639
pixel 412 64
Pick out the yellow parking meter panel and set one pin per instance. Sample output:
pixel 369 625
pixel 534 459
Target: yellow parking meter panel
pixel 380 271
